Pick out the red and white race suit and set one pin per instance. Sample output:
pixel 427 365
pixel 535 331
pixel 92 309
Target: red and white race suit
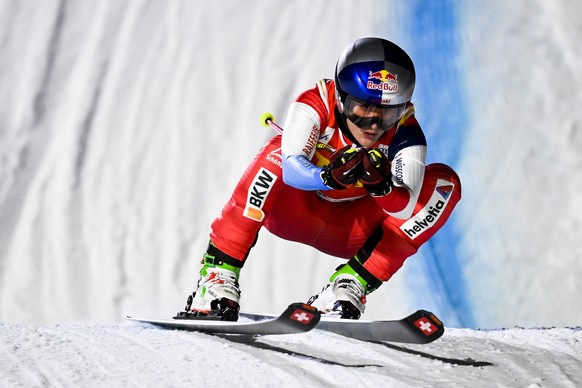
pixel 283 191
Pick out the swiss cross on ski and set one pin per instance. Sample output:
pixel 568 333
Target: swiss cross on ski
pixel 302 316
pixel 425 326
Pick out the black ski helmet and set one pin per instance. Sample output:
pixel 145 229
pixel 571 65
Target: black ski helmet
pixel 374 72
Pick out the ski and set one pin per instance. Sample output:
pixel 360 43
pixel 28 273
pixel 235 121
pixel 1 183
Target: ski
pixel 297 318
pixel 421 327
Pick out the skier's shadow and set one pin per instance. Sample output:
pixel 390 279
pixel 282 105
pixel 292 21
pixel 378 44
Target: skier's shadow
pixel 252 341
pixel 453 361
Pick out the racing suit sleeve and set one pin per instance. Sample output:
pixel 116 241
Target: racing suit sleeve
pixel 300 136
pixel 408 159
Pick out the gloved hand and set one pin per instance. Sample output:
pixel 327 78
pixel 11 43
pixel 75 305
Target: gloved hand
pixel 344 168
pixel 376 176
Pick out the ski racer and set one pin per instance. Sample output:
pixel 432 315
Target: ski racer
pixel 347 177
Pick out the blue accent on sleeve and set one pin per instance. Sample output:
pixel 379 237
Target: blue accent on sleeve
pixel 300 173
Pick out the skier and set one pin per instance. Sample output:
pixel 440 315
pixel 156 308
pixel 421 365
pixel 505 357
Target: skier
pixel 347 177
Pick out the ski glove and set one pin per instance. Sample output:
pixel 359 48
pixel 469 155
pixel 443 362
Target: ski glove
pixel 344 168
pixel 376 176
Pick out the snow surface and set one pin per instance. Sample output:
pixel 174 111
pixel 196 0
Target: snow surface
pixel 124 126
pixel 143 356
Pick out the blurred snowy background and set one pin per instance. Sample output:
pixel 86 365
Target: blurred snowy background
pixel 124 126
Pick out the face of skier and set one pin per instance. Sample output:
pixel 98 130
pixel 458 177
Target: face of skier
pixel 367 122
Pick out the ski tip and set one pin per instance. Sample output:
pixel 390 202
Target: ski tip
pixel 302 315
pixel 426 326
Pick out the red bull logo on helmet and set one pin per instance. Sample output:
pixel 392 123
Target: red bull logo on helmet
pixel 388 81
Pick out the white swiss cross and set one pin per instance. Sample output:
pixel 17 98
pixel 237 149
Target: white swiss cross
pixel 425 325
pixel 301 316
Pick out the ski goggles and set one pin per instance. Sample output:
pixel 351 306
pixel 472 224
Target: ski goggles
pixel 365 114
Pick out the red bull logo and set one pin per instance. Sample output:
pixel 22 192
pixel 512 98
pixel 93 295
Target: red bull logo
pixel 383 75
pixel 388 81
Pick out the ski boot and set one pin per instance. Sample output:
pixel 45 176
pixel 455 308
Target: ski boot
pixel 217 292
pixel 345 294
